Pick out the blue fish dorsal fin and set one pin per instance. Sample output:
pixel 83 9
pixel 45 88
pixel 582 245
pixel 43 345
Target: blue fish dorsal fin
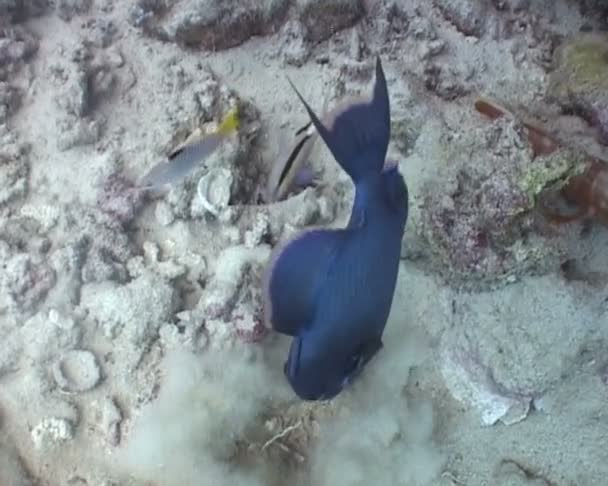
pixel 359 133
pixel 294 277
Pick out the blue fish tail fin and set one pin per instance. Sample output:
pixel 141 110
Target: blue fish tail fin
pixel 359 134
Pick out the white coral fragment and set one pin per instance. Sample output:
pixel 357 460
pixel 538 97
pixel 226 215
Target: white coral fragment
pixel 77 371
pixel 51 432
pixel 214 190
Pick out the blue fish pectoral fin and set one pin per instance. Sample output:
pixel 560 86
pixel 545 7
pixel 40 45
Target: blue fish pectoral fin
pixel 308 385
pixel 323 380
pixel 296 275
pixel 292 365
pixel 360 359
pixel 359 133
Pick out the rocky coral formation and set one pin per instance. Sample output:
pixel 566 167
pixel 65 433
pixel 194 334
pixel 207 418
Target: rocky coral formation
pixel 579 81
pixel 20 10
pixel 108 418
pixel 323 18
pixel 119 198
pixel 108 247
pixel 595 9
pixel 214 24
pixel 230 306
pixel 478 217
pixel 67 9
pixel 14 168
pixel 123 309
pixel 17 46
pixel 26 281
pixel 294 48
pixel 468 16
pixel 10 98
pixel 85 77
pixel 52 333
pixel 217 25
pixel 27 275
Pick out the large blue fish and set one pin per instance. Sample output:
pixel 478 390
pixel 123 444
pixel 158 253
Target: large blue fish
pixel 332 289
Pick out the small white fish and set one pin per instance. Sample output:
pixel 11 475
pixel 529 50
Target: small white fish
pixel 183 160
pixel 291 168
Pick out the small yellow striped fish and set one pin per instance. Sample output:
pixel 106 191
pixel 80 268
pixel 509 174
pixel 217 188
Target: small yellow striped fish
pixel 183 160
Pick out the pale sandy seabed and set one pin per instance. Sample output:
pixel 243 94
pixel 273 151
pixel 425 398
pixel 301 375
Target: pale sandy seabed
pixel 130 346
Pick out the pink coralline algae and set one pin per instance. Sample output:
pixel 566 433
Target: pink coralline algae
pixel 478 219
pixel 119 198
